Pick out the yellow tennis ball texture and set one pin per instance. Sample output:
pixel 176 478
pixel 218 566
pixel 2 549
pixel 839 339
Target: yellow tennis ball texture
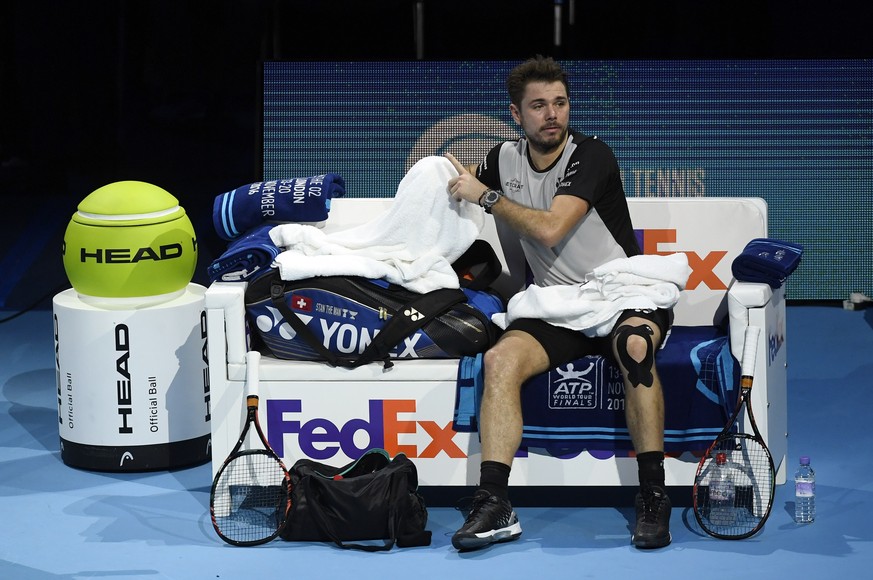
pixel 129 239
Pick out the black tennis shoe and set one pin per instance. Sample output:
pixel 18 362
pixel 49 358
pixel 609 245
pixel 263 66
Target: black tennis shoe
pixel 491 520
pixel 653 519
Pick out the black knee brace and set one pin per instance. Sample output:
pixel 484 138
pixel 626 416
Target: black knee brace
pixel 638 373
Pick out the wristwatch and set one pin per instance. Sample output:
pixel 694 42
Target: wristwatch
pixel 489 198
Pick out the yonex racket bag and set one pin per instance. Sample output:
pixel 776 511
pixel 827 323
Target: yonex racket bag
pixel 351 321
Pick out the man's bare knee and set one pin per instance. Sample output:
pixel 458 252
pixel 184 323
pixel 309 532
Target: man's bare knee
pixel 515 355
pixel 638 347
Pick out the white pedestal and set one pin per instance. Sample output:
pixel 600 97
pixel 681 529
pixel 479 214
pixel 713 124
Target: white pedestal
pixel 133 383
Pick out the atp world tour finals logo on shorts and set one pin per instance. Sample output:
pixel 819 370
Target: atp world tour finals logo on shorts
pixel 576 385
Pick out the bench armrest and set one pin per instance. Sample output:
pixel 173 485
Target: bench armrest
pixel 741 297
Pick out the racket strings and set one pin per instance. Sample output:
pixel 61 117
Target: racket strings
pixel 249 497
pixel 750 468
pixel 715 373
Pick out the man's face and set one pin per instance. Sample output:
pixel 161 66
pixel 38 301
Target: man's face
pixel 544 115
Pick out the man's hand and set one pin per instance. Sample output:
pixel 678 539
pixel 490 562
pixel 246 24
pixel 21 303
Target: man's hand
pixel 465 186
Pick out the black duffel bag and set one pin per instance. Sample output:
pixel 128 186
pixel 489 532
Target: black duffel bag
pixel 372 498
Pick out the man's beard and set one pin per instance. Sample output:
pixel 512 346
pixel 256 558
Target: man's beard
pixel 544 147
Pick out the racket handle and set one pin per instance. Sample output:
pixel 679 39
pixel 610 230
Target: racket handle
pixel 253 362
pixel 750 350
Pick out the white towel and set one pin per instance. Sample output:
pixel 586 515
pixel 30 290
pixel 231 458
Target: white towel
pixel 636 283
pixel 413 244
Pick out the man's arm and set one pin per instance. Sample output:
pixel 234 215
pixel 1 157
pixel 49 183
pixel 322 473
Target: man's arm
pixel 545 226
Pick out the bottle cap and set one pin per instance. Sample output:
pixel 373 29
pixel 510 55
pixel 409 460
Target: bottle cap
pixel 804 460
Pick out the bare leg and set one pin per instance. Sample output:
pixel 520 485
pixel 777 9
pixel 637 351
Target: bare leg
pixel 514 359
pixel 645 400
pixel 634 346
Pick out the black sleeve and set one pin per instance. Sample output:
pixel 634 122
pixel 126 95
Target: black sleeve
pixel 589 173
pixel 488 171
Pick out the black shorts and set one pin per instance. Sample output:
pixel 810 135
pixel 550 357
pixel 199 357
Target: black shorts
pixel 563 345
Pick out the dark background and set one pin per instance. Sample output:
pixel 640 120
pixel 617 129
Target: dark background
pixel 168 92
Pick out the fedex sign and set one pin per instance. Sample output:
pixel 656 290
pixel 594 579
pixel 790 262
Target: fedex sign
pixel 702 266
pixel 385 422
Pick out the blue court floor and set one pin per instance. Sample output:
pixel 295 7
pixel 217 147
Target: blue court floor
pixel 63 523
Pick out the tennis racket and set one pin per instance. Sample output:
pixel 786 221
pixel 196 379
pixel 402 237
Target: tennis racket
pixel 250 495
pixel 746 460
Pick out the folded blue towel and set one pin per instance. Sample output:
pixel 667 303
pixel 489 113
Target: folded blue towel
pixel 767 260
pixel 580 405
pixel 303 199
pixel 245 258
pixel 468 390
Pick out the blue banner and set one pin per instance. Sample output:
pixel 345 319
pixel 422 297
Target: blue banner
pixel 797 133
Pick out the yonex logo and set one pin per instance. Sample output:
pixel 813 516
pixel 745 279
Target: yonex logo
pixel 413 314
pixel 338 337
pixel 267 323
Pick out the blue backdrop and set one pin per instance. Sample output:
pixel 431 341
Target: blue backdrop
pixel 797 133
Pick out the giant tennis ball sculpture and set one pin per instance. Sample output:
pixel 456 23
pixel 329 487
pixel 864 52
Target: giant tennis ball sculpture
pixel 128 240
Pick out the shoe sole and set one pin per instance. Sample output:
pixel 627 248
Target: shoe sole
pixel 475 541
pixel 653 543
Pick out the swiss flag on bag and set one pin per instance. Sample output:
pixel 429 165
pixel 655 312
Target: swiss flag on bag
pixel 300 302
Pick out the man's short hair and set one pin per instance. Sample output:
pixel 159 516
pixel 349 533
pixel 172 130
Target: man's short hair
pixel 537 69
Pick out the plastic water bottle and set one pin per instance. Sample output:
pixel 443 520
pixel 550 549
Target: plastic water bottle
pixel 722 492
pixel 804 492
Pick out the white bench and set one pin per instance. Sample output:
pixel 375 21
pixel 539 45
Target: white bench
pixel 311 409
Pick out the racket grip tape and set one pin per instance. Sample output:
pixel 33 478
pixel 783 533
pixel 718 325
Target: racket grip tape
pixel 750 351
pixel 253 361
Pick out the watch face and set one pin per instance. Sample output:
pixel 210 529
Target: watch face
pixel 491 197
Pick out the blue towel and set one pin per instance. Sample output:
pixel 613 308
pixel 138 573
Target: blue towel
pixel 245 258
pixel 303 199
pixel 467 393
pixel 767 260
pixel 581 405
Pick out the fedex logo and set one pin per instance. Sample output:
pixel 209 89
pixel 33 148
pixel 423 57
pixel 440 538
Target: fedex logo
pixel 702 267
pixel 320 438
